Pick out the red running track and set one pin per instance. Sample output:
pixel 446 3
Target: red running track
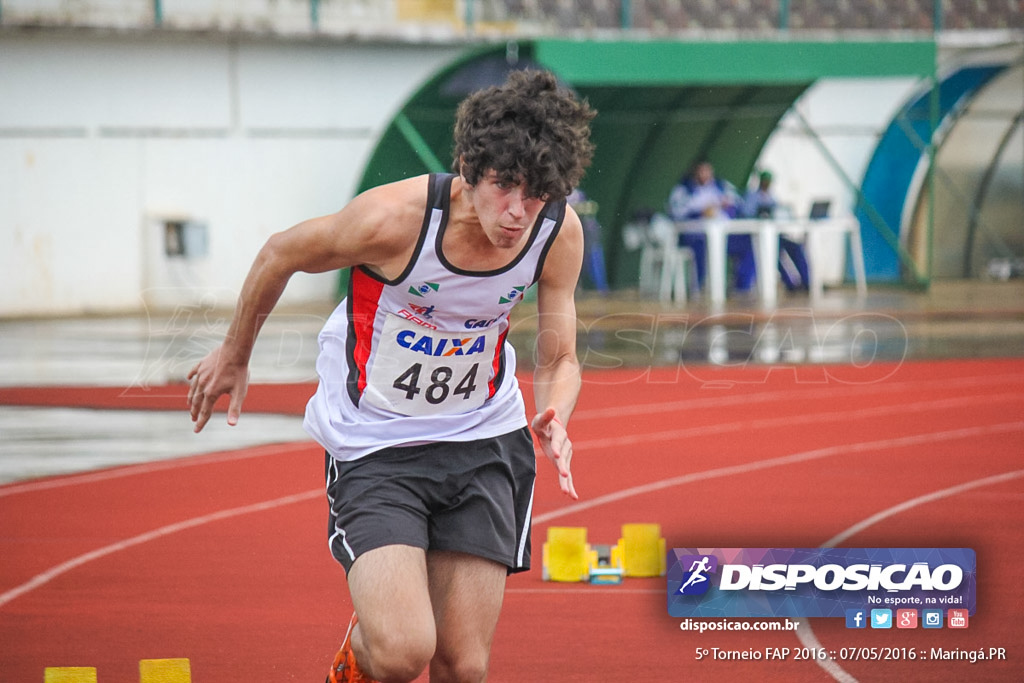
pixel 222 558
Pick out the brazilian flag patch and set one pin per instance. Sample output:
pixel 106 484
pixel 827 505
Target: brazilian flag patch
pixel 424 289
pixel 513 296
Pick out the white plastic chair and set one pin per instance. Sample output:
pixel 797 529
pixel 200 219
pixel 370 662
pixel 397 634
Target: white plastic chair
pixel 666 267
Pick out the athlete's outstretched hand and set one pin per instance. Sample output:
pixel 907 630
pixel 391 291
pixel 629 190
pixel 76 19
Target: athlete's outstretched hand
pixel 556 444
pixel 209 380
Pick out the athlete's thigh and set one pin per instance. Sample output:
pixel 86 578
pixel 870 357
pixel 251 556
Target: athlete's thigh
pixel 467 593
pixel 389 592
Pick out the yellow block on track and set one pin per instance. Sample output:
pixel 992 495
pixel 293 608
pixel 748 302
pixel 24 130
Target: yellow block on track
pixel 165 671
pixel 643 550
pixel 69 674
pixel 566 554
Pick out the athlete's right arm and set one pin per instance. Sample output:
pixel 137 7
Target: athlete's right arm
pixel 371 230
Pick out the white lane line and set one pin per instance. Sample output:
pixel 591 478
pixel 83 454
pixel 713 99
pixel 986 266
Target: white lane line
pixel 920 500
pixel 52 573
pixel 789 420
pixel 611 442
pixel 827 452
pixel 830 392
pixel 831 667
pixel 805 634
pixel 604 413
pixel 155 466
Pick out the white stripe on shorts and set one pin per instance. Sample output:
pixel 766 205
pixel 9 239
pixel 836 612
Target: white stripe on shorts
pixel 526 528
pixel 344 543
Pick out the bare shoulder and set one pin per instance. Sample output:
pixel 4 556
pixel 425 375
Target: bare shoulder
pixel 572 227
pixel 386 220
pixel 557 285
pixel 392 211
pixel 565 259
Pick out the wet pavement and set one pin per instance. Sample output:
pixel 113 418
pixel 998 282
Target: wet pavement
pixel 950 320
pixel 41 442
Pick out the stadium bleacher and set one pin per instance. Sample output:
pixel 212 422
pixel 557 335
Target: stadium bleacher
pixel 659 17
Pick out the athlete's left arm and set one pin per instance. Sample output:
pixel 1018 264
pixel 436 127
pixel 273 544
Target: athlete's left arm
pixel 556 379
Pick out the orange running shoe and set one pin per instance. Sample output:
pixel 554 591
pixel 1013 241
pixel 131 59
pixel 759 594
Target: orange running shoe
pixel 345 669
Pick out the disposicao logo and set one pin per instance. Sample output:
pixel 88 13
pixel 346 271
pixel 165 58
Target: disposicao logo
pixel 696 580
pixel 818 582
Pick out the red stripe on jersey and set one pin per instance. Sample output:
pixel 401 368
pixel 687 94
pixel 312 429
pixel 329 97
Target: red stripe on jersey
pixel 492 388
pixel 365 294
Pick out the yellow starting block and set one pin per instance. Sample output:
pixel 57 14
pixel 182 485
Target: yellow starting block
pixel 165 671
pixel 642 550
pixel 566 554
pixel 69 674
pixel 150 671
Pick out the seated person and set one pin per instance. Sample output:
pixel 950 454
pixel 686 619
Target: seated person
pixel 760 203
pixel 702 195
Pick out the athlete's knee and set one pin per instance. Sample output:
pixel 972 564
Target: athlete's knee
pixel 467 667
pixel 399 655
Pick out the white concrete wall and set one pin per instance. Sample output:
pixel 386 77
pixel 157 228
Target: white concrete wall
pixel 104 136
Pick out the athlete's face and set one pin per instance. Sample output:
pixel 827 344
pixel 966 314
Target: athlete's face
pixel 505 210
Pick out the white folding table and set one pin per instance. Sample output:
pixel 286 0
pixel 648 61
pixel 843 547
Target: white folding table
pixel 765 233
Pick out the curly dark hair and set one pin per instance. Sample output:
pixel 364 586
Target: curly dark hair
pixel 529 131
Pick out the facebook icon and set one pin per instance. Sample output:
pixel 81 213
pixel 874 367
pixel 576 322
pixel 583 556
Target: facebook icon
pixel 856 618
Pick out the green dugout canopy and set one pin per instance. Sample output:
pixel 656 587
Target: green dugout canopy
pixel 662 106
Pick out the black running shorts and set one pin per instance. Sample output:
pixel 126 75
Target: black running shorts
pixel 473 497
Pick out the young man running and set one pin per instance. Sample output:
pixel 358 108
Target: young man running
pixel 429 461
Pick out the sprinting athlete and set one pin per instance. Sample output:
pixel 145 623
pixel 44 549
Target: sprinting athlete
pixel 429 458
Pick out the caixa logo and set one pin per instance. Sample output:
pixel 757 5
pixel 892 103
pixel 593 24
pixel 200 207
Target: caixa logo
pixel 442 346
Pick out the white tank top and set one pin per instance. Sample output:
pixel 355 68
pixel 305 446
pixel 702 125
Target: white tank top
pixel 424 357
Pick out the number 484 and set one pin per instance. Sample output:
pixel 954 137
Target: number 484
pixel 440 383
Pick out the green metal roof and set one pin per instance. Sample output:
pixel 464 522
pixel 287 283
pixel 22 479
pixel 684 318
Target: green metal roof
pixel 657 63
pixel 662 105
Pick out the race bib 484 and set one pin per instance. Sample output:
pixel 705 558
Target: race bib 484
pixel 419 371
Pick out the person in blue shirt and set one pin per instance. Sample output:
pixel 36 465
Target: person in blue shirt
pixel 702 195
pixel 593 252
pixel 760 203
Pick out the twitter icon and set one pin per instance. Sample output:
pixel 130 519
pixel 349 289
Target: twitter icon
pixel 881 618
